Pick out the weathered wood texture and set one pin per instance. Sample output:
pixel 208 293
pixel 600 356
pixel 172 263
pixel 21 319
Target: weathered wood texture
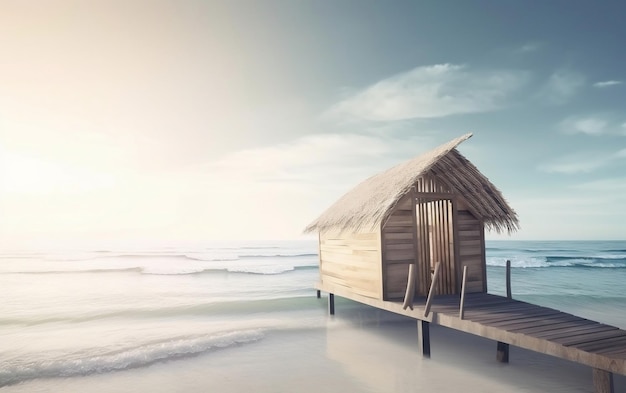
pixel 602 381
pixel 521 324
pixel 471 246
pixel 509 295
pixel 423 336
pixel 410 287
pixel 431 293
pixel 398 249
pixel 502 353
pixel 430 185
pixel 423 229
pixel 435 243
pixel 424 264
pixel 435 237
pixel 352 261
pixel 463 285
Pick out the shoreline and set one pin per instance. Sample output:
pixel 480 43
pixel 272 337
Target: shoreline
pixel 354 352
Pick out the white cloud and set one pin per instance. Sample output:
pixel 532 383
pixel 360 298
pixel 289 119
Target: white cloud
pixel 605 185
pixel 275 191
pixel 582 162
pixel 570 215
pixel 608 83
pixel 590 125
pixel 317 159
pixel 529 47
pixel 593 124
pixel 431 91
pixel 561 86
pixel 24 175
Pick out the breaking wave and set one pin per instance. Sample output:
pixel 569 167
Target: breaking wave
pixel 181 270
pixel 613 262
pixel 82 364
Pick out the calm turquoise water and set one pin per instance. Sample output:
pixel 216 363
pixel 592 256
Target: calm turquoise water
pixel 81 312
pixel 587 278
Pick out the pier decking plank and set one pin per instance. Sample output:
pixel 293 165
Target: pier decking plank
pixel 603 344
pixel 498 317
pixel 550 325
pixel 589 336
pixel 521 322
pixel 574 331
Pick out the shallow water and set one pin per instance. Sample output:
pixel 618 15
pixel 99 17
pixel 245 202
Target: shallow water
pixel 125 319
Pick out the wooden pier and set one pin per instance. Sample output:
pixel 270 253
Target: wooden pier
pixel 513 322
pixel 411 240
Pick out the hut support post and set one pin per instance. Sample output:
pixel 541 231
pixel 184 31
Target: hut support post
pixel 423 334
pixel 602 381
pixel 331 303
pixel 508 279
pixel 503 352
pixel 431 292
pixel 462 304
pixel 319 294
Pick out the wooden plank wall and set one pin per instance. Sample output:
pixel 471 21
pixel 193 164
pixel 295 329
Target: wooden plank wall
pixel 471 250
pixel 352 260
pixel 398 245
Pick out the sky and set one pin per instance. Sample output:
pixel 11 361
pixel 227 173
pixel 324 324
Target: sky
pixel 190 121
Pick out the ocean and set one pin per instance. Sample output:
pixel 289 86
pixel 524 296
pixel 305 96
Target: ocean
pixel 244 316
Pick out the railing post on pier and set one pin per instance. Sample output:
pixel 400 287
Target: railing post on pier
pixel 432 290
pixel 331 303
pixel 462 304
pixel 508 279
pixel 410 287
pixel 502 354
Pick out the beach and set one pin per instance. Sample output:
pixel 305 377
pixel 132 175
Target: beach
pixel 344 357
pixel 244 317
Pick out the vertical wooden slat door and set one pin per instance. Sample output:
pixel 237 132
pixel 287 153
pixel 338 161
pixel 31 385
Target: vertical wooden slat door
pixel 436 244
pixel 423 247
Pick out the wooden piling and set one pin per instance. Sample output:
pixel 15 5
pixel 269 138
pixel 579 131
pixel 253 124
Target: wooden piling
pixel 602 381
pixel 423 334
pixel 331 303
pixel 503 352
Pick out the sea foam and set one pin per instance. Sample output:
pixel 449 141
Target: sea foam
pixel 82 364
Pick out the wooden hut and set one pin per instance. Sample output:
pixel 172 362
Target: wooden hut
pixel 412 230
pixel 383 238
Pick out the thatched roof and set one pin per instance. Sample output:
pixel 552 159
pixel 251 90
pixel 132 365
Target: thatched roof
pixel 371 202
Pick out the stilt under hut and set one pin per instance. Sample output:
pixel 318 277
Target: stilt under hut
pixel 411 240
